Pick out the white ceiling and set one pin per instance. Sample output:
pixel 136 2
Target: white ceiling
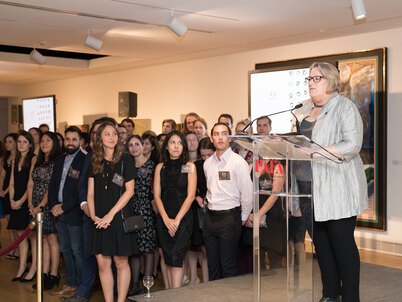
pixel 134 32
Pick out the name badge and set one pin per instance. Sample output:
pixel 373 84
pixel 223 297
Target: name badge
pixel 224 175
pixel 118 179
pixel 186 168
pixel 73 173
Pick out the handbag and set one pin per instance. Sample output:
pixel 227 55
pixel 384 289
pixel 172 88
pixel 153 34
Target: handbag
pixel 131 223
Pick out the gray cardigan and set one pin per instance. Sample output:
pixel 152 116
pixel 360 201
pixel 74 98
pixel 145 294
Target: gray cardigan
pixel 340 190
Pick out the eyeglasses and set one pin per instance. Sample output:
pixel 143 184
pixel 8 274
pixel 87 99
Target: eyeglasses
pixel 316 79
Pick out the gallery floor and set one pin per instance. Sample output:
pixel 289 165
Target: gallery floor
pixel 381 277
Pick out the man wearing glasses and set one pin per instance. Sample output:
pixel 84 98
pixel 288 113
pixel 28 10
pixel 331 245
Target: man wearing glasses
pixel 229 196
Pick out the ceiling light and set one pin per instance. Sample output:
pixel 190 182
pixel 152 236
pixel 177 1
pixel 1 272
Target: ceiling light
pixel 359 10
pixel 37 57
pixel 177 26
pixel 93 43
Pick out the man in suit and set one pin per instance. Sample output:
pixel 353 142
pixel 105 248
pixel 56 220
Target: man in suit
pixel 65 195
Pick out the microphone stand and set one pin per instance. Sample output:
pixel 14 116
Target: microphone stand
pixel 283 111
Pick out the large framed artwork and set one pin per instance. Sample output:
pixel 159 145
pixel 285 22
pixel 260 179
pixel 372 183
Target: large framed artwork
pixel 363 79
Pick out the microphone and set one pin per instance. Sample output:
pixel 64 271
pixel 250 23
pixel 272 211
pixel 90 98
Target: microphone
pixel 275 113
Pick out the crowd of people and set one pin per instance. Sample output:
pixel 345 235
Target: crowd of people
pixel 194 190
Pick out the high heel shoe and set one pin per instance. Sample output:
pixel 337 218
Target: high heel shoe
pixel 25 280
pixel 45 277
pixel 20 277
pixel 51 282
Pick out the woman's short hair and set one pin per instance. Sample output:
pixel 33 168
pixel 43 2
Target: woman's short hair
pixel 331 73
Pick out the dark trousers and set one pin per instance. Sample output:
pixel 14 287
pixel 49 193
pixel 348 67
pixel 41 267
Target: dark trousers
pixel 338 258
pixel 221 235
pixel 90 266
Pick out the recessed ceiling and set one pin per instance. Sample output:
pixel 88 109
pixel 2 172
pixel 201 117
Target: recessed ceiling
pixel 134 32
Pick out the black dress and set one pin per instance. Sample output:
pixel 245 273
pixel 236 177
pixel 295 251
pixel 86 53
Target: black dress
pixel 19 219
pixel 173 193
pixel 112 241
pixel 6 182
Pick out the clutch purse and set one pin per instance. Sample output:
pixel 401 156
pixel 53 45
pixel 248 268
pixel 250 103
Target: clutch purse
pixel 132 223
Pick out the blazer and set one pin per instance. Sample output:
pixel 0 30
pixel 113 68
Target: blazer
pixel 339 190
pixel 74 190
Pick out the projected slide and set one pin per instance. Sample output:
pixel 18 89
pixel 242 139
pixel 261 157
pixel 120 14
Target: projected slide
pixel 39 110
pixel 274 91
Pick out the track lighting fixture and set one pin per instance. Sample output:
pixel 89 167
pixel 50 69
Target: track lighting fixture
pixel 177 26
pixel 37 57
pixel 359 10
pixel 93 43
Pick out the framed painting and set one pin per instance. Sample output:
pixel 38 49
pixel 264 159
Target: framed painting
pixel 363 80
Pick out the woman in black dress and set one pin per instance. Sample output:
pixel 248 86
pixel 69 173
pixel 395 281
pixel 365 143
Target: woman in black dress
pixel 10 150
pixel 38 185
pixel 110 187
pixel 19 216
pixel 174 191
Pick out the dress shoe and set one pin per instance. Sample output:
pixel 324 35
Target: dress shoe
pixel 51 281
pixel 18 278
pixel 324 299
pixel 45 277
pixel 134 290
pixel 25 280
pixel 67 291
pixel 74 298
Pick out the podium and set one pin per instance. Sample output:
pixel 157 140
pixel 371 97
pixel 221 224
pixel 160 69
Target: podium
pixel 283 268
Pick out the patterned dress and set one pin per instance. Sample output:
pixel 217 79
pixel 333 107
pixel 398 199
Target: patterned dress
pixel 41 177
pixel 142 205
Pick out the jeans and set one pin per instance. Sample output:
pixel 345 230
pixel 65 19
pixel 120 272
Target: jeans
pixel 71 246
pixel 90 266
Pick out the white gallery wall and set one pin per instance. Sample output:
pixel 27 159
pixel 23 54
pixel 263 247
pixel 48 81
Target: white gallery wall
pixel 220 84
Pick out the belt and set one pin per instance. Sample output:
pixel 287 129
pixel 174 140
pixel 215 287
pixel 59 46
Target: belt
pixel 224 212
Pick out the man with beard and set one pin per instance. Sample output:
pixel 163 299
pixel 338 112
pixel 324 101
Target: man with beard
pixel 65 196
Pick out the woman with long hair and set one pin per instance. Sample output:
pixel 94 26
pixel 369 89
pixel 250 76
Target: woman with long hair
pixel 38 185
pixel 110 187
pixel 36 135
pixel 174 191
pixel 19 216
pixel 142 205
pixel 152 150
pixel 200 128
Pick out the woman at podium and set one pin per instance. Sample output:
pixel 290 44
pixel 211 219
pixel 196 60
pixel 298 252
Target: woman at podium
pixel 339 185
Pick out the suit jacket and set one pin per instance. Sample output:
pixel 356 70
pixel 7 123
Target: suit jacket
pixel 74 190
